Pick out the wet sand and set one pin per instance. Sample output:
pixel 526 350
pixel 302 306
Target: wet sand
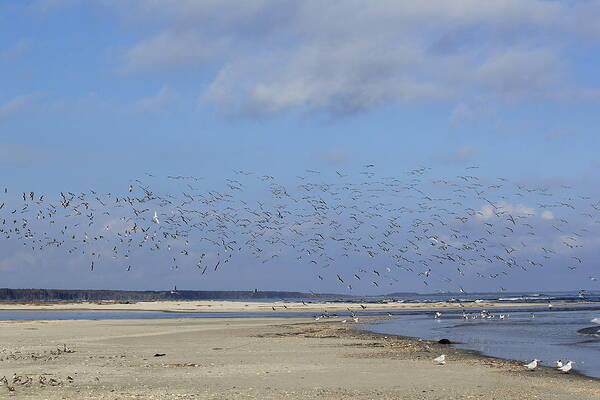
pixel 250 306
pixel 257 358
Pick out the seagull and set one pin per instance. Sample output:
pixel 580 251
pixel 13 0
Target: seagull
pixel 437 315
pixel 155 218
pixel 567 367
pixel 559 363
pixel 441 360
pixel 532 365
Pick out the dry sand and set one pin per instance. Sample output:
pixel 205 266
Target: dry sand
pixel 266 358
pixel 246 306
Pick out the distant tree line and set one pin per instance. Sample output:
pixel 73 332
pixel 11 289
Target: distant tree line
pixel 33 295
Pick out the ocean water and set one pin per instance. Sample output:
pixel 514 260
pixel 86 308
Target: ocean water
pixel 565 333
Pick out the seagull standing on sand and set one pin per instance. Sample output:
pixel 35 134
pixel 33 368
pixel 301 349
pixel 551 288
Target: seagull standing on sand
pixel 441 360
pixel 532 365
pixel 567 367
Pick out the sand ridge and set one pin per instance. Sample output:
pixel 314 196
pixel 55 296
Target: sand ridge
pixel 252 306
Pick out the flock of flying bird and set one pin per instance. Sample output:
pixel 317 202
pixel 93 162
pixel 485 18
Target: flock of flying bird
pixel 359 231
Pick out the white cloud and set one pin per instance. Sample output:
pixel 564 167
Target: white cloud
pixel 172 49
pixel 516 72
pixel 268 56
pixel 547 214
pixel 311 78
pixel 488 211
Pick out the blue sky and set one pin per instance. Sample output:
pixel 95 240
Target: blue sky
pixel 93 94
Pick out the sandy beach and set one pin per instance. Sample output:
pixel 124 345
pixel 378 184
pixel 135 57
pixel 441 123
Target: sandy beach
pixel 253 306
pixel 258 358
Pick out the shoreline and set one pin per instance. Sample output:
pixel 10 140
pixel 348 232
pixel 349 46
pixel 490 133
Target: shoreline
pixel 114 306
pixel 266 358
pixel 221 306
pixel 467 352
